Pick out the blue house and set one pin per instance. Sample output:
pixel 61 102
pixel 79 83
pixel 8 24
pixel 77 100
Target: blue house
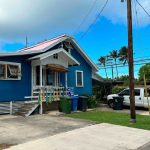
pixel 54 65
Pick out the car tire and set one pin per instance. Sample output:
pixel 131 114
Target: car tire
pixel 110 103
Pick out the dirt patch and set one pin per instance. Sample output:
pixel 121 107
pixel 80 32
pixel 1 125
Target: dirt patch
pixel 4 146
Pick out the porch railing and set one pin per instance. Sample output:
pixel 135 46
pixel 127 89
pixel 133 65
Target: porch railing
pixel 49 91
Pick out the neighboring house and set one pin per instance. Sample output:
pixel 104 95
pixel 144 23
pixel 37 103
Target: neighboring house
pixel 58 62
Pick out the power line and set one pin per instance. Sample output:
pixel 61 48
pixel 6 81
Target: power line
pixel 144 57
pixel 135 61
pixel 86 16
pixel 138 59
pixel 136 13
pixel 99 14
pixel 125 65
pixel 134 10
pixel 143 8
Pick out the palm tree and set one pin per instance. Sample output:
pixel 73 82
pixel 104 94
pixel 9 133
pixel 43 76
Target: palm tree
pixel 102 60
pixel 123 54
pixel 114 55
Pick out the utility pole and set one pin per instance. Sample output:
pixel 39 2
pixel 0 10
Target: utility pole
pixel 131 66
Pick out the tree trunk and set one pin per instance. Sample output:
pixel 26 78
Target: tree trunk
pixel 116 68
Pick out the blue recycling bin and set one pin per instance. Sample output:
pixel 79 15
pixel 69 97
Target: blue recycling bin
pixel 74 103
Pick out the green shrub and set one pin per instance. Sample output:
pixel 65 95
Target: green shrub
pixel 101 90
pixel 117 89
pixel 92 103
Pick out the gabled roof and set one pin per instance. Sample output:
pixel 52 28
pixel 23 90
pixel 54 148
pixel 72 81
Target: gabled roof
pixel 71 60
pixel 46 45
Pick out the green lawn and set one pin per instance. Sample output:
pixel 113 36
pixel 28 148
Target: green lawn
pixel 143 122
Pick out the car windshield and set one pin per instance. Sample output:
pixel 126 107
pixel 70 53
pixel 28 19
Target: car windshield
pixel 124 92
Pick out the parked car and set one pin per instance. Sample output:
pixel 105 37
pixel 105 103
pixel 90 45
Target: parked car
pixel 140 97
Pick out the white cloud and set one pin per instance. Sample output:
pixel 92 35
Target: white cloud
pixel 44 18
pixel 117 13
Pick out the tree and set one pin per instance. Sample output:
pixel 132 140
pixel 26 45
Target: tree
pixel 114 55
pixel 123 55
pixel 102 61
pixel 144 70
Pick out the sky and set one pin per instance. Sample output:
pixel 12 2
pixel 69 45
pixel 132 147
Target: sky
pixel 40 20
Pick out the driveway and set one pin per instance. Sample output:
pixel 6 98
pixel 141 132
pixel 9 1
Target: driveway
pixel 16 130
pixel 96 137
pixel 140 111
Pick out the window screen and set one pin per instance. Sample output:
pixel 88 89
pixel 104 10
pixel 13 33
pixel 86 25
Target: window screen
pixel 10 71
pixel 13 71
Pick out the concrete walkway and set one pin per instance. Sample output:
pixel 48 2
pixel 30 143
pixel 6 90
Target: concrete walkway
pixel 95 137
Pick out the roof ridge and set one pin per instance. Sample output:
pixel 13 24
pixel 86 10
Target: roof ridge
pixel 62 35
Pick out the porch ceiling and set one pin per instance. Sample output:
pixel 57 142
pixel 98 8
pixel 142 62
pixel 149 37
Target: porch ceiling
pixel 71 60
pixel 57 68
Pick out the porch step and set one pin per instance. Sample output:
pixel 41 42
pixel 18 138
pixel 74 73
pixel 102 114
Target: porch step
pixel 5 106
pixel 27 109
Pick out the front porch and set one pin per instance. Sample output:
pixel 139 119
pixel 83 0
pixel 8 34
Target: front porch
pixel 49 74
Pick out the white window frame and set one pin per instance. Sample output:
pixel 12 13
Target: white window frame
pixel 10 63
pixel 81 79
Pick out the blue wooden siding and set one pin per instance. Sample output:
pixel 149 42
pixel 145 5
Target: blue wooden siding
pixel 11 90
pixel 87 75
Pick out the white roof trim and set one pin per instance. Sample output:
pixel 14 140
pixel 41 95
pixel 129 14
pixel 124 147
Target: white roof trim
pixel 52 52
pixel 97 77
pixel 19 53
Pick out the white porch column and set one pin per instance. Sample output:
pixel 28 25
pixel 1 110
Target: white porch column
pixel 41 75
pixel 32 79
pixel 41 107
pixel 66 80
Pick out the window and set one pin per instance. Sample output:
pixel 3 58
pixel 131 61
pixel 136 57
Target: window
pixel 10 71
pixel 13 71
pixel 68 47
pixel 79 78
pixel 55 56
pixel 50 77
pixel 137 92
pixel 37 70
pixel 127 92
pixel 2 71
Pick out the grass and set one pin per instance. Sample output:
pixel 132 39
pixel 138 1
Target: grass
pixel 143 122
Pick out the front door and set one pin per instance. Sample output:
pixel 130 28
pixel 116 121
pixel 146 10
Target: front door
pixel 49 77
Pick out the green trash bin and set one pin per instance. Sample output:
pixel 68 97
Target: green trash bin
pixel 65 104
